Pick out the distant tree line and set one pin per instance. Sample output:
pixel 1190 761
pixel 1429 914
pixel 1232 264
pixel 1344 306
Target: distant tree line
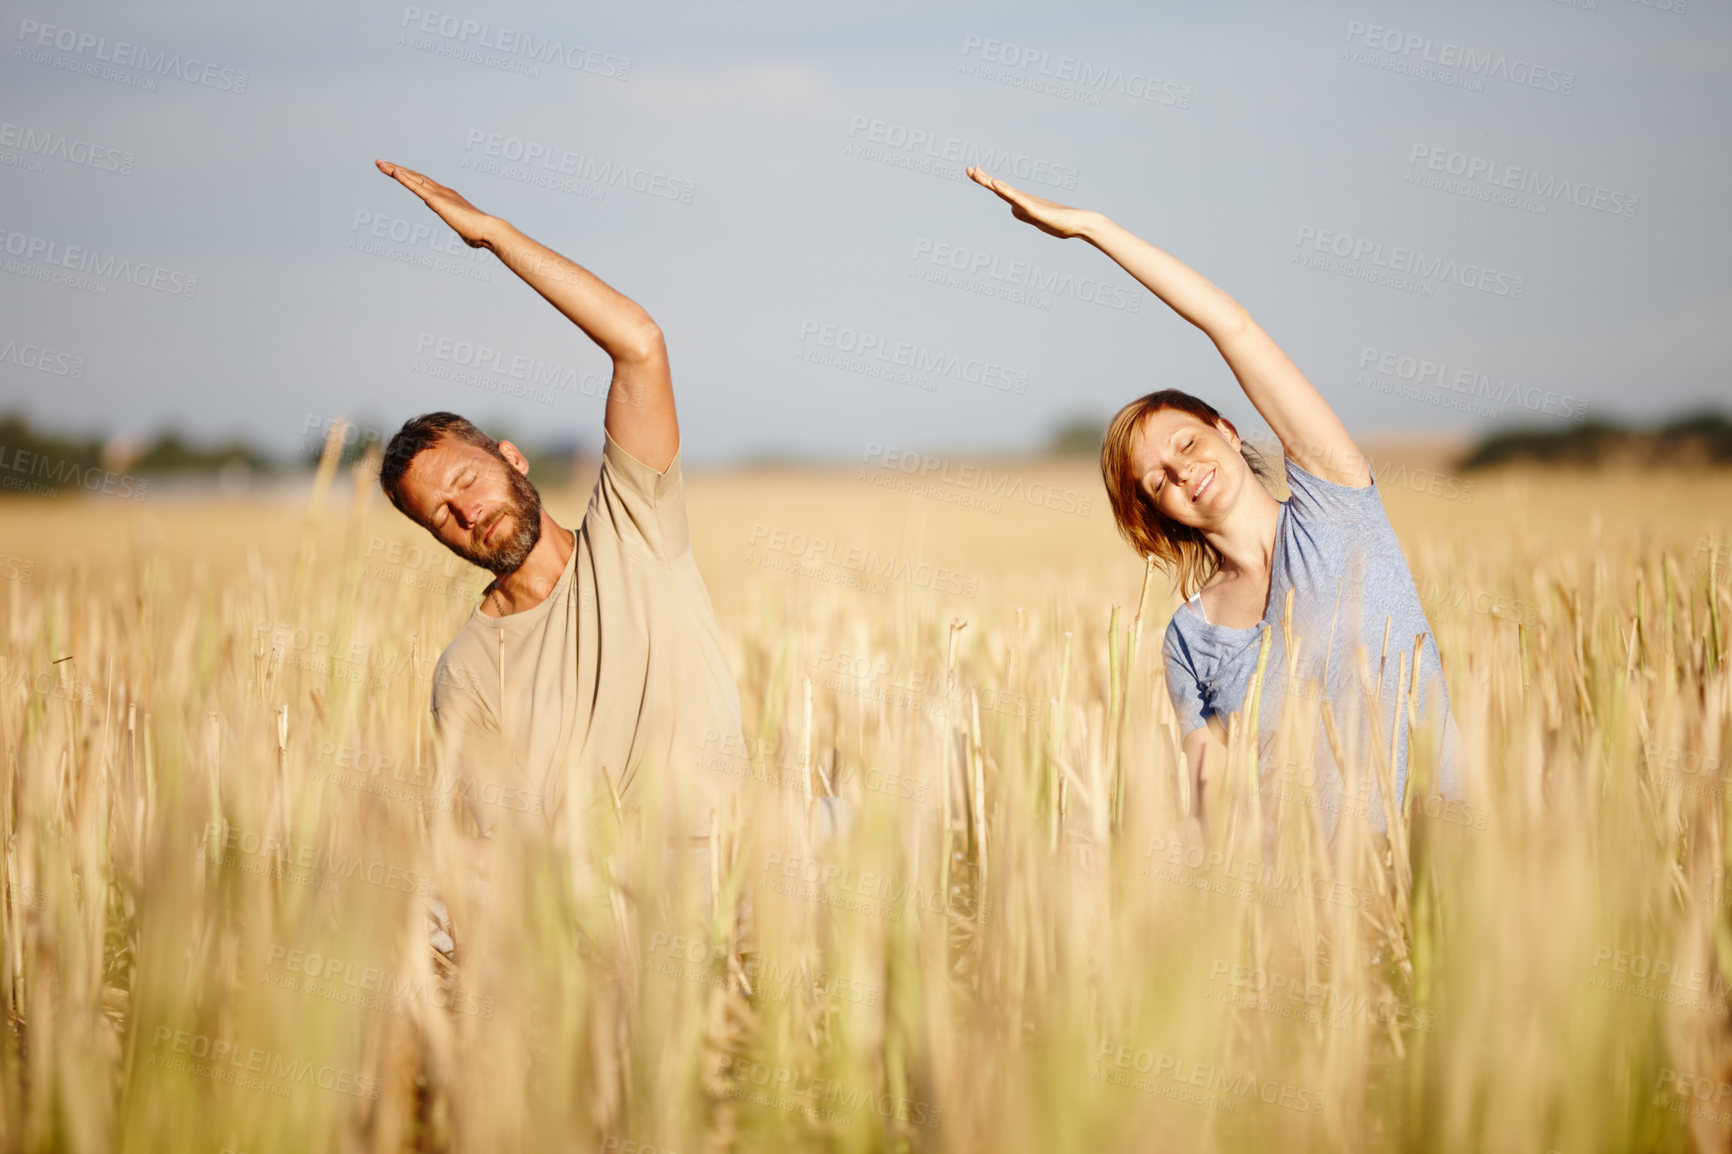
pixel 60 461
pixel 36 460
pixel 1695 439
pixel 54 460
pixel 1703 438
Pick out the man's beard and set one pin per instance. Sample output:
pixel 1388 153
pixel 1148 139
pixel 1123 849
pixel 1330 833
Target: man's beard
pixel 507 555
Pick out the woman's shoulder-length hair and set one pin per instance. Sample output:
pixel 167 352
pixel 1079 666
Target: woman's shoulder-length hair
pixel 1181 550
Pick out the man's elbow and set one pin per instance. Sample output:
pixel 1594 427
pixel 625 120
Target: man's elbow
pixel 643 345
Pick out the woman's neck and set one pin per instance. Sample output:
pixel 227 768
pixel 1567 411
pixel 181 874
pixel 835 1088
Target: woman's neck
pixel 1246 540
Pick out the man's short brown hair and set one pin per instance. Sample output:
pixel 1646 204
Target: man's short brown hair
pixel 416 437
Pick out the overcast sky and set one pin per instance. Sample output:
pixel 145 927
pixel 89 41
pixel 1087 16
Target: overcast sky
pixel 1432 207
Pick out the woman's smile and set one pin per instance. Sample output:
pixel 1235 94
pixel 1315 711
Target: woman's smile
pixel 1203 485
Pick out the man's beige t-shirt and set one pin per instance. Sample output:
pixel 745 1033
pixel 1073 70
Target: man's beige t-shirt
pixel 620 669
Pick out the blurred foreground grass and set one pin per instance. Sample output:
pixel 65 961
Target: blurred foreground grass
pixel 222 830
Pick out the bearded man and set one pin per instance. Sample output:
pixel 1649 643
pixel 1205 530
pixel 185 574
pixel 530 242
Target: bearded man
pixel 593 660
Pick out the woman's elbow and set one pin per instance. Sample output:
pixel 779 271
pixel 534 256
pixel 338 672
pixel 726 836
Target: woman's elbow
pixel 1233 326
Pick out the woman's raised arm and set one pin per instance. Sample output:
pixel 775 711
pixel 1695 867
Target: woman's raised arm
pixel 1308 428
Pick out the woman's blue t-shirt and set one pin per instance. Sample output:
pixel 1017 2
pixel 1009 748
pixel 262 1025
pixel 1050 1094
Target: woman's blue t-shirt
pixel 1335 548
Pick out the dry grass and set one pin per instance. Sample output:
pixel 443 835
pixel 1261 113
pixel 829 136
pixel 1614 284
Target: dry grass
pixel 215 931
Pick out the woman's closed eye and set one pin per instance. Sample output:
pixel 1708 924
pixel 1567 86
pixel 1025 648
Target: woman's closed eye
pixel 1161 482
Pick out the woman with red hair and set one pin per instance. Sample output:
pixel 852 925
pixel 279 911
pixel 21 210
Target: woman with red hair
pixel 1185 491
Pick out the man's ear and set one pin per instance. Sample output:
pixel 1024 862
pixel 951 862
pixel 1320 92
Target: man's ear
pixel 514 458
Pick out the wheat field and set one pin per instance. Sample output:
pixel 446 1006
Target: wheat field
pixel 224 829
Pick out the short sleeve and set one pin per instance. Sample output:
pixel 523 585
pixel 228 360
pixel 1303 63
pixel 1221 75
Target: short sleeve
pixel 639 505
pixel 462 722
pixel 468 750
pixel 1314 496
pixel 1182 684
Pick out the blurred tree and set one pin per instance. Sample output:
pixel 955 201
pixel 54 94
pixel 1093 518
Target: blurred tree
pixel 1078 436
pixel 1700 438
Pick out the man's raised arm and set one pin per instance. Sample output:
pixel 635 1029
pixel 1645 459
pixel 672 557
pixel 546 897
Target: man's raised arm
pixel 640 401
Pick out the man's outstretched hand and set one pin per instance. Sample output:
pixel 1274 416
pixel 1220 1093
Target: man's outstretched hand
pixel 465 219
pixel 1047 215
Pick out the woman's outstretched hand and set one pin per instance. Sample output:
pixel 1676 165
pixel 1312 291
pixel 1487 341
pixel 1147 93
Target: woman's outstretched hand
pixel 1047 215
pixel 464 218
